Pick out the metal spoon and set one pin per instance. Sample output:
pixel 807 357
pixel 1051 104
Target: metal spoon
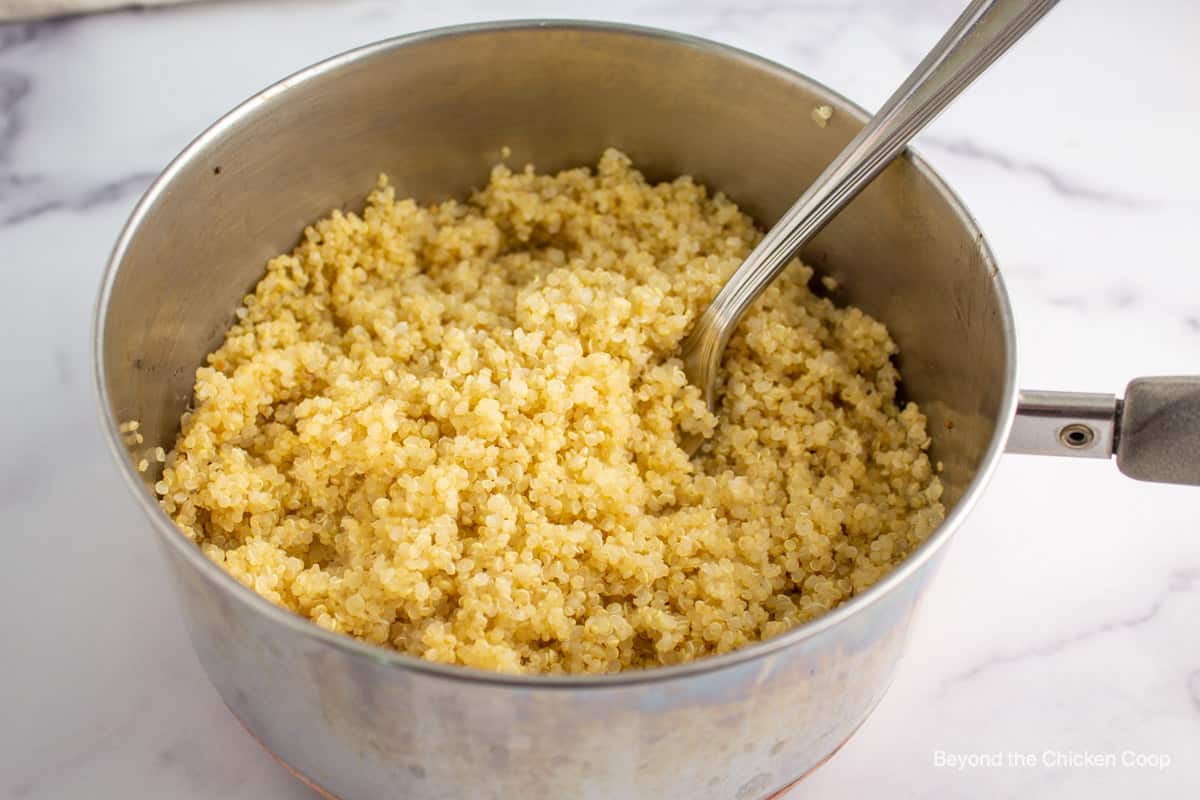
pixel 985 29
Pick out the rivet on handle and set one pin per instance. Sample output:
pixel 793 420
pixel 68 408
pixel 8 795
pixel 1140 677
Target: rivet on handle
pixel 1154 431
pixel 1065 424
pixel 1076 435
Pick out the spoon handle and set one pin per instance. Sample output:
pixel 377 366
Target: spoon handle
pixel 978 37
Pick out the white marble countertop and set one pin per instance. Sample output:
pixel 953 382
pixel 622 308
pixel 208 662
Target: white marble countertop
pixel 1066 618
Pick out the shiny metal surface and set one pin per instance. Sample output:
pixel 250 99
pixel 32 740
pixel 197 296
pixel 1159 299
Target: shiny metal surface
pixel 980 35
pixel 1043 419
pixel 1154 432
pixel 433 110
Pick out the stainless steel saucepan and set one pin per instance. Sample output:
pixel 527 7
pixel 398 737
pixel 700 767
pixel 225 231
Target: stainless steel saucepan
pixel 433 110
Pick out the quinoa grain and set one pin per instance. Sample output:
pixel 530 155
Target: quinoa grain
pixel 452 430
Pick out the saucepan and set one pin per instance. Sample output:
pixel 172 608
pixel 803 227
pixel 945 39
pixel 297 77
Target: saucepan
pixel 434 111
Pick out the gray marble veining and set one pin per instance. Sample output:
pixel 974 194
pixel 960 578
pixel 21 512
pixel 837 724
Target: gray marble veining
pixel 1180 582
pixel 32 197
pixel 1056 181
pixel 1065 615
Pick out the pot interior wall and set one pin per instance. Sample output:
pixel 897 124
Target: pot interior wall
pixel 434 116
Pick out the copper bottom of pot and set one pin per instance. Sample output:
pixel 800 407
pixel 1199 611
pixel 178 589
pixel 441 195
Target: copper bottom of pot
pixel 780 794
pixel 311 784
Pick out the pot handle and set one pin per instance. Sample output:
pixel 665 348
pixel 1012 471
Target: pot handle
pixel 1154 431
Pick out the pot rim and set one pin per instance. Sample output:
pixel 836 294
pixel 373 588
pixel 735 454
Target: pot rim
pixel 377 654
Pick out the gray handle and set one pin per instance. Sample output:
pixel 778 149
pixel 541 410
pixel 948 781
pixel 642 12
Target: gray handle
pixel 1159 437
pixel 1154 431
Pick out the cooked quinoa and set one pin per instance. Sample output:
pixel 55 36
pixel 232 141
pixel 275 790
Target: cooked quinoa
pixel 453 430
